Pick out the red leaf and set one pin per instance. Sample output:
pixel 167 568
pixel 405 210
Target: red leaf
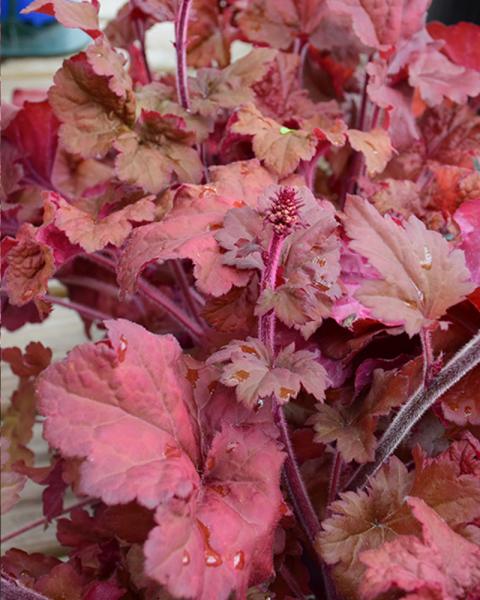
pixel 380 25
pixel 442 564
pixel 221 541
pixel 33 132
pixel 422 275
pixel 189 229
pixel 468 218
pixel 462 42
pixel 93 232
pixel 103 398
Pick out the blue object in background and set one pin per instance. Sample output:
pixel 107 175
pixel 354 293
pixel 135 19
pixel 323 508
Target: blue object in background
pixel 11 10
pixel 36 34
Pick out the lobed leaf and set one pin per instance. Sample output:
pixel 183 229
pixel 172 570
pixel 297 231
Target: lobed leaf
pixel 421 276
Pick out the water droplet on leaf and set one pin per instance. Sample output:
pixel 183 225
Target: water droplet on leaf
pixel 212 558
pixel 258 405
pixel 239 560
pixel 426 262
pixel 185 558
pixel 122 348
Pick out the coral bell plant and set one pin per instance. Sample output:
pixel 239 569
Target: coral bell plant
pixel 275 251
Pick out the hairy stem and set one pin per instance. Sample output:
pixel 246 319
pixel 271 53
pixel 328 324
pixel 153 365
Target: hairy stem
pixel 181 30
pixel 84 311
pixel 303 508
pixel 459 365
pixel 13 589
pixel 43 521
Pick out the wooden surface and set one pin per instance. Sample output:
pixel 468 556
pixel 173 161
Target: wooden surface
pixel 61 331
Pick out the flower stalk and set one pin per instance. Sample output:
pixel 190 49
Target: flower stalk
pixel 181 30
pixel 283 216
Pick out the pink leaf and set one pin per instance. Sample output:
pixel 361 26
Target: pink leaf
pixel 437 78
pixel 375 146
pixel 125 407
pixel 189 230
pixel 221 541
pixel 468 218
pixel 249 367
pixel 442 564
pixel 92 232
pixel 422 276
pixel 382 24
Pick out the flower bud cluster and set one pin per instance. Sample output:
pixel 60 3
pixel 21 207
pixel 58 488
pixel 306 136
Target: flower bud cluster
pixel 283 212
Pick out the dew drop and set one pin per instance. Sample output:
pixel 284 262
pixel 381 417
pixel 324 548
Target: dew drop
pixel 185 558
pixel 259 405
pixel 454 407
pixel 212 558
pixel 467 410
pixel 239 560
pixel 122 348
pixel 426 263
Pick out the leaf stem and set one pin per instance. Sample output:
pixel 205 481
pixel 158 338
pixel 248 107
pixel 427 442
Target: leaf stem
pixel 182 281
pixel 43 521
pixel 84 311
pixel 140 32
pixel 181 31
pixel 458 366
pixel 176 313
pixel 337 466
pixel 157 297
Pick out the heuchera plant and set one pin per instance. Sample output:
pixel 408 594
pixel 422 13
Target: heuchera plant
pixel 282 255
